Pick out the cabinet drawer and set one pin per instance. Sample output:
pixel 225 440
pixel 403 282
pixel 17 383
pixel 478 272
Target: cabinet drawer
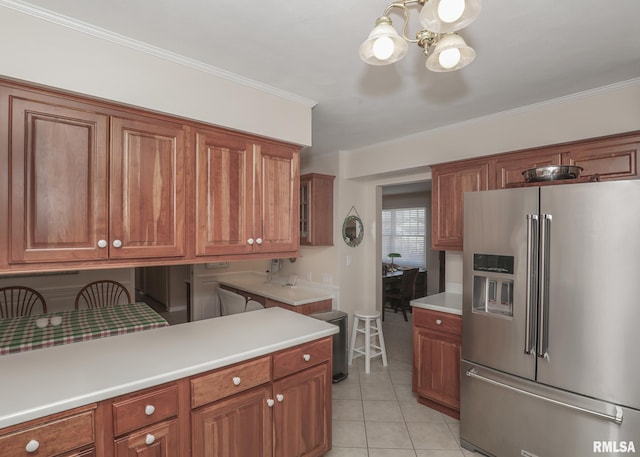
pixel 435 320
pixel 141 409
pixel 228 381
pixel 300 357
pixel 51 438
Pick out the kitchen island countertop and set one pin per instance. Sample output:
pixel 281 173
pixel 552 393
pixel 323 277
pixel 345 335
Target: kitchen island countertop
pixel 46 381
pixel 446 302
pixel 275 290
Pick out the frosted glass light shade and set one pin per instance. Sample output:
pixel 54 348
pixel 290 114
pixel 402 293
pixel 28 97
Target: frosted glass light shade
pixel 383 46
pixel 435 14
pixel 444 55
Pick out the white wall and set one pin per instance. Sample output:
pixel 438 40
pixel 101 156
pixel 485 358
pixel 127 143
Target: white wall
pixel 41 51
pixel 59 290
pixel 606 111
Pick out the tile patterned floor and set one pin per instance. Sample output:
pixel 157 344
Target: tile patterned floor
pixel 377 415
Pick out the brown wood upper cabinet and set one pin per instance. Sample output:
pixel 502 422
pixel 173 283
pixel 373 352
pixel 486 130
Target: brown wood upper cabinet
pixel 92 181
pixel 316 209
pixel 74 198
pixel 246 195
pixel 609 158
pixel 449 183
pixel 58 181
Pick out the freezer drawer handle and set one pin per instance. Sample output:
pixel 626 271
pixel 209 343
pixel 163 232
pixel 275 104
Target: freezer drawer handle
pixel 617 418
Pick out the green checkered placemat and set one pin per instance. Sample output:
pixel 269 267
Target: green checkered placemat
pixel 21 333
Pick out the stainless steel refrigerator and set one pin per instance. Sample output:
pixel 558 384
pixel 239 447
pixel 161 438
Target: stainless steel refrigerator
pixel 551 321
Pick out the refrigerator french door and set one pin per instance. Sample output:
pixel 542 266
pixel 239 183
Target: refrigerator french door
pixel 551 304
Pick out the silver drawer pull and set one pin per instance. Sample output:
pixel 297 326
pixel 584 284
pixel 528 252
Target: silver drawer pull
pixel 236 380
pixel 438 321
pixel 149 439
pixel 32 446
pixel 149 410
pixel 306 357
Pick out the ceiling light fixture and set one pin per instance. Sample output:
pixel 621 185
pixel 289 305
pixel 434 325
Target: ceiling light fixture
pixel 440 19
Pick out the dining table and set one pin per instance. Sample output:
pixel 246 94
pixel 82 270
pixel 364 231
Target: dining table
pixel 24 333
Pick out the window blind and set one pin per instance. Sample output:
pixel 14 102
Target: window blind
pixel 403 231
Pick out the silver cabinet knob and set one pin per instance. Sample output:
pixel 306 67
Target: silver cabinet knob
pixel 438 322
pixel 102 244
pixel 236 380
pixel 270 402
pixel 117 243
pixel 250 241
pixel 32 446
pixel 306 357
pixel 149 439
pixel 279 397
pixel 259 240
pixel 149 410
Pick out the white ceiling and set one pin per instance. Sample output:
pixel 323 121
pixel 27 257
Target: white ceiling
pixel 528 51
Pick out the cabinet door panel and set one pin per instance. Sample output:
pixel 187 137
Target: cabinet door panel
pixel 301 418
pixel 160 440
pixel 58 189
pixel 223 194
pixel 450 182
pixel 609 159
pixel 509 168
pixel 437 362
pixel 277 197
pixel 238 427
pixel 147 195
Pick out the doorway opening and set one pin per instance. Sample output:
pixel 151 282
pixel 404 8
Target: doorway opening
pixel 405 239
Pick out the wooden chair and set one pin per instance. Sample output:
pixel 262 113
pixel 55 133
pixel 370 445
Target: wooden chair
pixel 99 294
pixel 420 289
pixel 400 297
pixel 21 301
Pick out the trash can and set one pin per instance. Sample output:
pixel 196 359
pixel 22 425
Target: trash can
pixel 340 347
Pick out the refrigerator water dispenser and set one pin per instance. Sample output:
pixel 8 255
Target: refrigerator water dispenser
pixel 493 294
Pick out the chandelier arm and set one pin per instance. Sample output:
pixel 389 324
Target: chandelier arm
pixel 403 6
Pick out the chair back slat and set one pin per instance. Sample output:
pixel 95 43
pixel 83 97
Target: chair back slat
pixel 99 294
pixel 21 301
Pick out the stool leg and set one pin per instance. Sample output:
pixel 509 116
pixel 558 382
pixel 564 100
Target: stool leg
pixel 381 339
pixel 367 345
pixel 354 332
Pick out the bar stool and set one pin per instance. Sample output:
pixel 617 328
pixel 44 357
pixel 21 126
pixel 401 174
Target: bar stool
pixel 372 328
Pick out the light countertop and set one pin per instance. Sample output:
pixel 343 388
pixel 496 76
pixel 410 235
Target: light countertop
pixel 275 290
pixel 447 302
pixel 46 381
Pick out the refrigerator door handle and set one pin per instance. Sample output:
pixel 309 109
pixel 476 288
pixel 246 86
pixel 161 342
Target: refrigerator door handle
pixel 531 280
pixel 543 293
pixel 473 373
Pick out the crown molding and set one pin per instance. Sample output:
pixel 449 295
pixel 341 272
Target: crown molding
pixel 140 46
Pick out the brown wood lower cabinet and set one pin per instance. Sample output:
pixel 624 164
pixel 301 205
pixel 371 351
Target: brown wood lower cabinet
pixel 306 309
pixel 301 414
pixel 289 417
pixel 71 433
pixel 437 343
pixel 159 440
pixel 236 427
pixel 274 405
